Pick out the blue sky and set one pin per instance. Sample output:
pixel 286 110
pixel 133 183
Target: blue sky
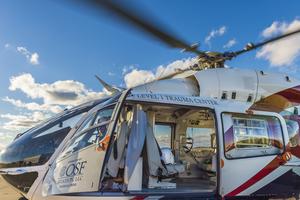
pixel 74 44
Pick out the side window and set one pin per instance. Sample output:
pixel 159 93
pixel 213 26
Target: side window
pixel 103 116
pixel 163 134
pixel 251 135
pixel 202 137
pixel 293 131
pixel 97 118
pixel 93 129
pixel 86 138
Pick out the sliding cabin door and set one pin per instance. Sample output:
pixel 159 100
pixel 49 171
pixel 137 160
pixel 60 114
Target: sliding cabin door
pixel 252 152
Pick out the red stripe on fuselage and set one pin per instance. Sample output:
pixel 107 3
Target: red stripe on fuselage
pixel 292 94
pixel 296 151
pixel 270 103
pixel 274 164
pixel 138 198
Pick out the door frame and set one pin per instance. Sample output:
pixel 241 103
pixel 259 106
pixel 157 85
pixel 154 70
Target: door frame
pixel 205 194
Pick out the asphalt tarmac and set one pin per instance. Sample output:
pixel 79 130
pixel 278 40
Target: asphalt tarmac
pixel 6 192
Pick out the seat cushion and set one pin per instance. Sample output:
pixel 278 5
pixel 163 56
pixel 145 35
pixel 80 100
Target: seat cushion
pixel 175 168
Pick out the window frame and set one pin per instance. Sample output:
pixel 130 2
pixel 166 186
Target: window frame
pixel 164 191
pixel 297 134
pixel 254 156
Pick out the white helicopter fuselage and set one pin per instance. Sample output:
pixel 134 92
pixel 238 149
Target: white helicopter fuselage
pixel 231 95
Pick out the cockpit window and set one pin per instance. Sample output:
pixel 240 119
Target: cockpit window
pixel 36 148
pixel 103 116
pixel 96 118
pixel 93 129
pixel 61 125
pixel 37 145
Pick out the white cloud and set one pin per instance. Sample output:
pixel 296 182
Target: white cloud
pixel 7 45
pixel 55 97
pixel 283 52
pixel 5 139
pixel 66 92
pixel 127 69
pixel 275 28
pixel 214 33
pixel 23 51
pixel 111 74
pixel 33 106
pixel 174 66
pixel 136 77
pixel 230 43
pixel 19 123
pixel 33 58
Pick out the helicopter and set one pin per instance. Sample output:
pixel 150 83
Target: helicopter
pixel 204 132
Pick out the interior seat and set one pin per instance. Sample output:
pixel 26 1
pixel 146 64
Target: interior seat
pixel 168 159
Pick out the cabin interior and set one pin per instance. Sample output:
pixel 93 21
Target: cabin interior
pixel 160 148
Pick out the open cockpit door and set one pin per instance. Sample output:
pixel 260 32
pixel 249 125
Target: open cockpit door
pixel 78 167
pixel 252 152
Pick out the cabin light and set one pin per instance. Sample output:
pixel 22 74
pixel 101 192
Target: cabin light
pixel 224 95
pixel 233 95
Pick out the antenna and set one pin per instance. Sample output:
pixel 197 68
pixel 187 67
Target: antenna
pixel 108 87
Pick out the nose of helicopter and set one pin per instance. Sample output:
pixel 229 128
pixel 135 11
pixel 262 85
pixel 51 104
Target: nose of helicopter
pixel 22 161
pixel 13 171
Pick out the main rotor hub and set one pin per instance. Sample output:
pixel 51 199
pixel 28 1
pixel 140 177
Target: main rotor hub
pixel 211 60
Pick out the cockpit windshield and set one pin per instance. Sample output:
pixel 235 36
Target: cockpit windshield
pixel 36 146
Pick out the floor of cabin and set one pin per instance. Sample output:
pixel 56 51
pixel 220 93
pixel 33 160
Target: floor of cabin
pixel 192 185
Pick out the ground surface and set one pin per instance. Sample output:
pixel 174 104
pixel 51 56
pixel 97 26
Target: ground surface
pixel 6 193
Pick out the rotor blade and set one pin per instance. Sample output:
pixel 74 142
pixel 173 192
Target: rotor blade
pixel 250 46
pixel 143 23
